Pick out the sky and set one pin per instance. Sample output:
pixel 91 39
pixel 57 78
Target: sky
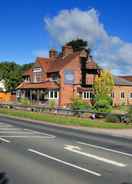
pixel 29 28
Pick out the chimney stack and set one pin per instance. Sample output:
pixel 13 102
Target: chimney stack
pixel 67 50
pixel 53 53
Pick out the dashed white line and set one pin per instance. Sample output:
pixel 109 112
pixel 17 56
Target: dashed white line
pixel 28 136
pixel 15 132
pixel 69 148
pixel 4 140
pixel 106 149
pixel 63 162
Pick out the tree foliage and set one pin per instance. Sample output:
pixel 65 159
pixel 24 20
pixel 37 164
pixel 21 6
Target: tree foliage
pixel 11 73
pixel 103 83
pixel 79 45
pixel 103 86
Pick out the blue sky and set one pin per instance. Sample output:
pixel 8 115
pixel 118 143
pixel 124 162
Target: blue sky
pixel 30 27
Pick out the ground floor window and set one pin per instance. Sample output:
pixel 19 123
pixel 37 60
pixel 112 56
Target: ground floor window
pixel 130 95
pixel 53 94
pixel 122 95
pixel 87 95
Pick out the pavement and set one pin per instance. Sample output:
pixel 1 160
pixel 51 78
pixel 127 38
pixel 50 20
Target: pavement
pixel 51 154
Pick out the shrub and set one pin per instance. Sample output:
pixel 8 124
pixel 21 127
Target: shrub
pixel 103 104
pixel 52 104
pixel 130 114
pixel 79 104
pixel 25 101
pixel 112 118
pixel 123 107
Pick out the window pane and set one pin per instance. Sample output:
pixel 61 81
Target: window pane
pixel 51 94
pixel 87 95
pixel 122 95
pixel 84 94
pixel 55 94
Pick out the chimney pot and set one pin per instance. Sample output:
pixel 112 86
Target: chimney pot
pixel 53 53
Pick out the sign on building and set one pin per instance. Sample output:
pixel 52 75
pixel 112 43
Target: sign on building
pixel 69 76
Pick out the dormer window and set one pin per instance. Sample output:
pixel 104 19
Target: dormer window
pixel 37 75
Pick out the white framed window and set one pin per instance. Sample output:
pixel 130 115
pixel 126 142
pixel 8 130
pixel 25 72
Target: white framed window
pixel 53 94
pixel 86 95
pixel 122 95
pixel 37 75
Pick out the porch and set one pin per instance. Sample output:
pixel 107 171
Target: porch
pixel 38 93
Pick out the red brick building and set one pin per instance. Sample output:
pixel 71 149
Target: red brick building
pixel 62 77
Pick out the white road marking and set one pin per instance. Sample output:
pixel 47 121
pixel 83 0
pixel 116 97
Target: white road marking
pixel 28 136
pixel 106 149
pixel 69 148
pixel 15 132
pixel 5 140
pixel 63 162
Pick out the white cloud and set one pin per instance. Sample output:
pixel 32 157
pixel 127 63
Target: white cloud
pixel 109 50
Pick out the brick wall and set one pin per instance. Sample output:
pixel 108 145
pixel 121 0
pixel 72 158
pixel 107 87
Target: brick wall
pixel 67 91
pixel 117 100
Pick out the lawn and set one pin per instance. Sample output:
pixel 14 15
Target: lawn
pixel 63 120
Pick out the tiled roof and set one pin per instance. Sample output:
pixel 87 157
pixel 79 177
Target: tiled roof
pixel 44 62
pixel 121 82
pixel 60 62
pixel 127 77
pixel 50 65
pixel 42 85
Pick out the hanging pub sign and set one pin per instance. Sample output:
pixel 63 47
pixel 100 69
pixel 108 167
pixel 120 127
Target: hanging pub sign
pixel 69 77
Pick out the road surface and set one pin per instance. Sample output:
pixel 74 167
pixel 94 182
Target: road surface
pixel 45 154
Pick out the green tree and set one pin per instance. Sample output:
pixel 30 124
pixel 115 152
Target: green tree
pixel 11 73
pixel 79 45
pixel 25 67
pixel 103 86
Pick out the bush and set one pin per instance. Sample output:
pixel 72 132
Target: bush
pixel 123 107
pixel 103 104
pixel 112 118
pixel 52 104
pixel 25 101
pixel 129 115
pixel 79 104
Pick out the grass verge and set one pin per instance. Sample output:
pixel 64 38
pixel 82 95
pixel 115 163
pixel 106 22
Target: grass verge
pixel 63 120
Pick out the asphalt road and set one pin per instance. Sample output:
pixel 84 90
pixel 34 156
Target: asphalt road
pixel 45 154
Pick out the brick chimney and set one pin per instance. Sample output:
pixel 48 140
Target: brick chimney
pixel 53 53
pixel 67 50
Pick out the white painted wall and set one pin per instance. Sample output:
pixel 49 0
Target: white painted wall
pixel 2 85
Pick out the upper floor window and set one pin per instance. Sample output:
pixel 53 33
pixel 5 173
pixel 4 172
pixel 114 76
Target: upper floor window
pixel 55 77
pixel 122 95
pixel 87 95
pixel 37 75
